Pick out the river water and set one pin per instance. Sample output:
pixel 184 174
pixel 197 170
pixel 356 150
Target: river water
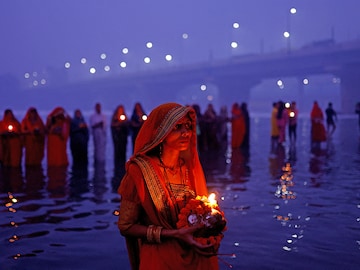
pixel 292 208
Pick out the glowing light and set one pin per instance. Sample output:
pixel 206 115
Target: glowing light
pixel 27 75
pixel 168 57
pixel 107 68
pixel 287 105
pixel 92 70
pixel 144 117
pixel 185 36
pixel 125 50
pixel 236 25
pixel 212 199
pixel 35 74
pixel 279 83
pixel 292 114
pixel 293 10
pixel 35 83
pixel 203 87
pixel 103 56
pixel 10 128
pixel 210 98
pixel 286 34
pixel 123 64
pixel 149 45
pixel 305 81
pixel 43 81
pixel 234 44
pixel 67 65
pixel 83 60
pixel 122 117
pixel 147 60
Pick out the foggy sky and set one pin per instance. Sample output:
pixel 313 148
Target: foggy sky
pixel 40 33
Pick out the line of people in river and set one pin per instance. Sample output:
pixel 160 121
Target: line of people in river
pixel 286 115
pixel 33 137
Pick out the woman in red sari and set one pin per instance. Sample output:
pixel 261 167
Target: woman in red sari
pixel 58 129
pixel 11 140
pixel 318 132
pixel 162 175
pixel 33 128
pixel 237 126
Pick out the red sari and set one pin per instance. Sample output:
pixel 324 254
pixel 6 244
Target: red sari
pixel 33 129
pixel 318 132
pixel 58 128
pixel 146 200
pixel 237 126
pixel 11 140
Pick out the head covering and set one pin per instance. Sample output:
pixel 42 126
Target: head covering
pixel 158 125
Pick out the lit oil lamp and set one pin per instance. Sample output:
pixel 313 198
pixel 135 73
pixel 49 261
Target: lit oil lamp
pixel 10 128
pixel 144 117
pixel 122 117
pixel 292 114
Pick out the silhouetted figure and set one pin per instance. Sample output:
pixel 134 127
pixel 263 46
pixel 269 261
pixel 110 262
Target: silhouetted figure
pixel 274 132
pixel 293 119
pixel 119 133
pixel 210 132
pixel 245 113
pixel 281 121
pixel 33 130
pixel 98 129
pixel 79 139
pixel 137 120
pixel 331 117
pixel 237 126
pixel 318 133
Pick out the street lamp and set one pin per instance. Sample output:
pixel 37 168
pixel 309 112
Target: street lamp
pixel 287 33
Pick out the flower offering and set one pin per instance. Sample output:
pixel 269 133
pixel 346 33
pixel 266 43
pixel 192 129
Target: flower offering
pixel 204 210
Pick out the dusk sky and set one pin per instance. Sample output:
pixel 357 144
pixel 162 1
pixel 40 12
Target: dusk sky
pixel 39 34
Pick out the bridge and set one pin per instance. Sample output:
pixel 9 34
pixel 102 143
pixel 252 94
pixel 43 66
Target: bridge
pixel 241 73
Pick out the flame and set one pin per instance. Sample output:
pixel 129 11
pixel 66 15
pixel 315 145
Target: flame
pixel 144 117
pixel 212 200
pixel 122 117
pixel 10 127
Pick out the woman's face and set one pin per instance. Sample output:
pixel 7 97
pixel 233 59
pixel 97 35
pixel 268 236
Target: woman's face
pixel 179 138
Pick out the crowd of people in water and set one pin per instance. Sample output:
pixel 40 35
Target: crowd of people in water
pixel 32 139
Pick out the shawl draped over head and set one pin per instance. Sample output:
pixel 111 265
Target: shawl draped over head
pixel 144 175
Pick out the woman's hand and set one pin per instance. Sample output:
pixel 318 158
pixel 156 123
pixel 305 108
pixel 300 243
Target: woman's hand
pixel 186 234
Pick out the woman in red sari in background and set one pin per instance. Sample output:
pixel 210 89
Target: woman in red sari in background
pixel 318 132
pixel 11 140
pixel 162 175
pixel 33 128
pixel 237 126
pixel 58 129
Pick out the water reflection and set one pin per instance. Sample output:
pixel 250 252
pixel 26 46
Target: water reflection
pixel 35 181
pixel 79 182
pixel 11 179
pixel 99 181
pixel 57 181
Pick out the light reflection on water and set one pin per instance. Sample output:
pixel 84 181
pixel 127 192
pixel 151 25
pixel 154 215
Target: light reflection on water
pixel 290 208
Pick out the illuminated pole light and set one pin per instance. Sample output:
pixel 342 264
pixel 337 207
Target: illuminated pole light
pixel 35 74
pixel 35 83
pixel 43 81
pixel 293 10
pixel 107 68
pixel 83 60
pixel 286 34
pixel 287 105
pixel 149 45
pixel 27 75
pixel 92 70
pixel 103 56
pixel 67 65
pixel 147 60
pixel 203 87
pixel 125 50
pixel 123 64
pixel 280 84
pixel 305 81
pixel 185 36
pixel 236 25
pixel 234 44
pixel 168 57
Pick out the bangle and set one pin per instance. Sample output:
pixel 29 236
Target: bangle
pixel 157 234
pixel 150 233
